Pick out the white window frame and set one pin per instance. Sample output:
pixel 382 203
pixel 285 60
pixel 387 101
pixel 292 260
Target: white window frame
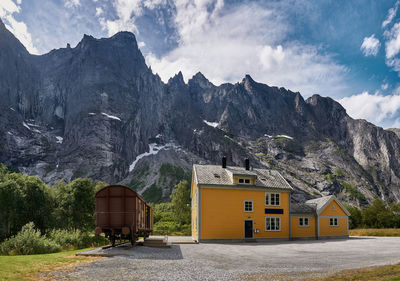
pixel 304 219
pixel 269 196
pixel 244 206
pixel 333 221
pixel 275 220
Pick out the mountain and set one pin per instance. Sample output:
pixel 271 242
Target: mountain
pixel 98 111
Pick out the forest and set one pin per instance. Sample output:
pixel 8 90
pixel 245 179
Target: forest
pixel 37 218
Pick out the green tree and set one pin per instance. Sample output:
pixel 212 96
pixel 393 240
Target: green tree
pixel 99 185
pixel 76 204
pixel 395 209
pixel 180 200
pixel 3 171
pixel 355 219
pixel 377 215
pixel 24 199
pixel 10 203
pixel 37 203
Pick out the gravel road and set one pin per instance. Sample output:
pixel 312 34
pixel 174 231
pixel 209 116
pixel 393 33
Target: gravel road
pixel 247 261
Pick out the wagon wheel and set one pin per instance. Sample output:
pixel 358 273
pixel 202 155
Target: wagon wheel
pixel 133 240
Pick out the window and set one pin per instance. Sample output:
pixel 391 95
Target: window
pixel 272 224
pixel 272 199
pixel 304 222
pixel 242 180
pixel 333 222
pixel 333 207
pixel 248 205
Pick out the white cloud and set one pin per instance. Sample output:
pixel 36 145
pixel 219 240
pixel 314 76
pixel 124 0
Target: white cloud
pixel 18 28
pixel 72 3
pixel 377 108
pixel 391 14
pixel 385 86
pixel 126 10
pixel 212 41
pixel 393 41
pixel 370 46
pixel 8 7
pixel 99 11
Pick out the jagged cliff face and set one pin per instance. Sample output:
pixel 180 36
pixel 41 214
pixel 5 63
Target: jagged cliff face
pixel 97 110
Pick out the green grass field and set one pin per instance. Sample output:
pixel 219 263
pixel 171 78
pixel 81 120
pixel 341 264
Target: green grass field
pixel 27 267
pixel 395 232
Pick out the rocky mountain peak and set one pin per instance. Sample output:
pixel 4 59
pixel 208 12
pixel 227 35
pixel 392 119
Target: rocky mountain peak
pixel 177 79
pixel 98 111
pixel 327 104
pixel 125 37
pixel 248 78
pixel 200 81
pixel 2 26
pixel 248 82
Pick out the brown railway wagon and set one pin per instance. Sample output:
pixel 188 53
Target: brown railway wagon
pixel 121 213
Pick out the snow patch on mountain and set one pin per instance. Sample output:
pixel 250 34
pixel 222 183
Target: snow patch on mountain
pixel 111 116
pixel 211 124
pixel 153 150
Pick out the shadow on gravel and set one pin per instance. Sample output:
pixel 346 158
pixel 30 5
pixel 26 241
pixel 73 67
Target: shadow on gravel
pixel 173 253
pixel 288 242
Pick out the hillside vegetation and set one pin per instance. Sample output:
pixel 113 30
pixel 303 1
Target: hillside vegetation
pixel 36 218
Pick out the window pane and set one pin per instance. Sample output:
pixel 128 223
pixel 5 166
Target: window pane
pixel 277 199
pixel 266 199
pixel 240 180
pixel 300 221
pixel 247 181
pixel 268 222
pixel 278 220
pixel 273 223
pixel 272 199
pixel 305 221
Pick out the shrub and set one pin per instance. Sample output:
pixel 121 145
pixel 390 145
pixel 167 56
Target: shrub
pixel 165 227
pixel 75 238
pixel 27 242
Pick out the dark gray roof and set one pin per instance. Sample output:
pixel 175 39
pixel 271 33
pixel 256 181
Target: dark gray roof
pixel 216 175
pixel 319 203
pixel 298 208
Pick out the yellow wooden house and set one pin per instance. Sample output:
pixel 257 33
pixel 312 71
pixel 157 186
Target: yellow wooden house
pixel 238 203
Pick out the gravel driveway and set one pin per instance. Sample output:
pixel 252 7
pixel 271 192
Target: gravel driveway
pixel 247 261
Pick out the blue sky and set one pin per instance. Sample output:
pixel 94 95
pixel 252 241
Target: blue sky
pixel 348 50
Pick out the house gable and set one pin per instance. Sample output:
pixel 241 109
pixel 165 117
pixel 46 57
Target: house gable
pixel 333 208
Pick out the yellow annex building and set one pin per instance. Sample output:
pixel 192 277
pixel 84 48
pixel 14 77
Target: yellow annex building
pixel 236 203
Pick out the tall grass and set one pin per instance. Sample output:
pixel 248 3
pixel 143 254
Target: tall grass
pixel 395 232
pixel 75 239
